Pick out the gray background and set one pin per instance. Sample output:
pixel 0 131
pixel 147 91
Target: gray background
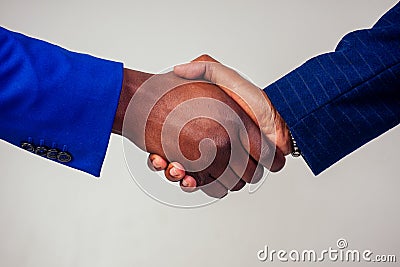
pixel 54 216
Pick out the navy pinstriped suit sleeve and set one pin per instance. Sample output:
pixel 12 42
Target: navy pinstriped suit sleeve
pixel 336 102
pixel 58 98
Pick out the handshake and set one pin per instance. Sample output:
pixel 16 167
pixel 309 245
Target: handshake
pixel 203 124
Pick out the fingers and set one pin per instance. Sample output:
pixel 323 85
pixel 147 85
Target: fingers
pixel 279 161
pixel 231 180
pixel 188 184
pixel 246 167
pixel 238 186
pixel 174 172
pixel 212 187
pixel 217 188
pixel 228 178
pixel 156 162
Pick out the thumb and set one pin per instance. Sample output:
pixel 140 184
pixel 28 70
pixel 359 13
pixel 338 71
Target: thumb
pixel 196 69
pixel 192 70
pixel 249 97
pixel 213 72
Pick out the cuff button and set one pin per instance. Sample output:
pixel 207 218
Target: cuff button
pixel 64 157
pixel 27 146
pixel 52 153
pixel 41 150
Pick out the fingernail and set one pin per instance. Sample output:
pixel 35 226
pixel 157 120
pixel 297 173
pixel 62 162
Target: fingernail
pixel 174 172
pixel 184 183
pixel 156 164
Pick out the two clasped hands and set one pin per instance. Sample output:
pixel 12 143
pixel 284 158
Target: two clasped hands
pixel 204 125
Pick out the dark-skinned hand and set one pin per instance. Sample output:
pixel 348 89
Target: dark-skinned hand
pixel 193 123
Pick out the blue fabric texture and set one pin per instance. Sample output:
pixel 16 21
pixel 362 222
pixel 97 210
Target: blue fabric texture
pixel 58 98
pixel 336 102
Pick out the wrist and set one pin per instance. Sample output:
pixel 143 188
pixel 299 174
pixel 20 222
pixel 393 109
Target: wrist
pixel 281 134
pixel 132 80
pixel 283 137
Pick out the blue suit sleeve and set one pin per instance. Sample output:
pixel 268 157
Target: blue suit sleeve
pixel 336 102
pixel 57 99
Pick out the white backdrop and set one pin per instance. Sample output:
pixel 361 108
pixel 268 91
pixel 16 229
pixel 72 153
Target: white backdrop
pixel 54 216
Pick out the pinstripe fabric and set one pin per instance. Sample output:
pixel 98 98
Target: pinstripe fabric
pixel 336 102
